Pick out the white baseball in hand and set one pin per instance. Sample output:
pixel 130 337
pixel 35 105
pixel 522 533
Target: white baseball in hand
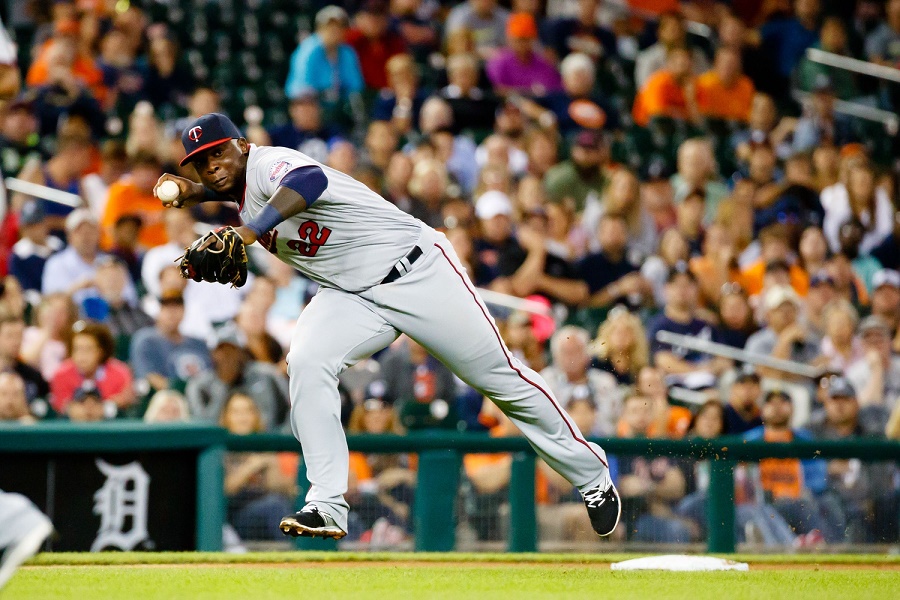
pixel 168 191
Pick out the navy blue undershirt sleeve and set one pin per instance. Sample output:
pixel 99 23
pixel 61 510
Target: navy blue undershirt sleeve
pixel 309 181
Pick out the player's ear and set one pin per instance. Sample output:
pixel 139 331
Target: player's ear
pixel 243 145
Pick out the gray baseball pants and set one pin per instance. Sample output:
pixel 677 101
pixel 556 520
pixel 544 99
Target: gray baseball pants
pixel 435 304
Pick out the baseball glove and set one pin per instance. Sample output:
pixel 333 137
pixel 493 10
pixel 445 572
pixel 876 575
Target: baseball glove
pixel 219 256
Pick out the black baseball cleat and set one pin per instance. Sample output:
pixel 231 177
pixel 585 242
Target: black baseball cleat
pixel 604 508
pixel 309 522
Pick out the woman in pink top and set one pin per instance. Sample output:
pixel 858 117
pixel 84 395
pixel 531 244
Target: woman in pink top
pixel 90 358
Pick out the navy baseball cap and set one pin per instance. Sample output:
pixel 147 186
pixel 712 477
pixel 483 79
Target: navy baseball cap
pixel 32 213
pixel 821 278
pixel 88 389
pixel 840 387
pixel 207 131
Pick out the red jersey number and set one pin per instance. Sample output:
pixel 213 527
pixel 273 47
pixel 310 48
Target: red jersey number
pixel 317 237
pixel 267 241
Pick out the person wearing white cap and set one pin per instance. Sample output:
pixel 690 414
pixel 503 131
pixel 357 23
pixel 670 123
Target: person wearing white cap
pixel 876 376
pixel 72 270
pixel 784 335
pixel 521 264
pixel 886 297
pixel 491 204
pixel 494 212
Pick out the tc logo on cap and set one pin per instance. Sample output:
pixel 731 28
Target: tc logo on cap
pixel 214 128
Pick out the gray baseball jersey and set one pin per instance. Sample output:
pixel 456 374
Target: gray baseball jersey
pixel 7 48
pixel 348 239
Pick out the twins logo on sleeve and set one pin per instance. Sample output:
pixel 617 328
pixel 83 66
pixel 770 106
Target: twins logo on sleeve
pixel 279 169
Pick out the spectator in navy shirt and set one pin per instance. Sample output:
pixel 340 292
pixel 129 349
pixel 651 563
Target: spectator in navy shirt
pixel 419 34
pixel 576 106
pixel 788 38
pixel 400 102
pixel 305 132
pixel 580 34
pixel 471 104
pixel 31 252
pixel 687 367
pixel 888 251
pixel 736 322
pixel 610 274
pixel 742 411
pixel 496 248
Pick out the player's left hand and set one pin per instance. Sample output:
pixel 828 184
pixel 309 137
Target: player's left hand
pixel 219 256
pixel 247 235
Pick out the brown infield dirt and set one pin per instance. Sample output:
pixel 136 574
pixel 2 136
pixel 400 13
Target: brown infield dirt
pixel 466 564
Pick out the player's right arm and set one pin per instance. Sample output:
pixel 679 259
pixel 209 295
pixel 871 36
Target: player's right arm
pixel 190 193
pixel 296 190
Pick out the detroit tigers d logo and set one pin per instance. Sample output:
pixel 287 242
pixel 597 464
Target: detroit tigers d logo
pixel 121 502
pixel 195 133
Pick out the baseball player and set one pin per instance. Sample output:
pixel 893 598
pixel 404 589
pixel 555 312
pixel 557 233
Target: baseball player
pixel 381 273
pixel 23 528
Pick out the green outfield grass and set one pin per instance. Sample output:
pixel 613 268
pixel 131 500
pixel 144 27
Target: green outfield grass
pixel 395 576
pixel 175 558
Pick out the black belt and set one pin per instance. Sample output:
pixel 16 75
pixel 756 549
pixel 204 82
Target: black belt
pixel 403 265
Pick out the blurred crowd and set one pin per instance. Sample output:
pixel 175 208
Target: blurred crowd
pixel 632 168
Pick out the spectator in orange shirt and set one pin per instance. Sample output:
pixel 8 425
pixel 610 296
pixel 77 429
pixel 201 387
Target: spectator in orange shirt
pixel 724 92
pixel 381 486
pixel 667 421
pixel 774 251
pixel 717 265
pixel 792 486
pixel 489 476
pixel 65 42
pixel 668 92
pixel 133 195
